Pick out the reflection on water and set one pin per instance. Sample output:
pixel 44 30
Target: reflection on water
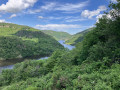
pixel 6 67
pixel 66 45
pixel 10 63
pixel 43 58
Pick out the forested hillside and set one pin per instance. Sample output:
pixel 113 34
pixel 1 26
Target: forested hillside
pixel 78 37
pixel 93 65
pixel 57 35
pixel 18 41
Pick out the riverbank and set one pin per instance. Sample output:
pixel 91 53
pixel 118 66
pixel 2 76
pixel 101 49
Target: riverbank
pixel 9 64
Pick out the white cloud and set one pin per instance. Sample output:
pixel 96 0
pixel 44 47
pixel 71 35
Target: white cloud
pixel 72 7
pixel 33 11
pixel 2 21
pixel 70 28
pixel 14 6
pixel 40 17
pixel 102 8
pixel 49 6
pixel 55 18
pixel 99 16
pixel 66 8
pixel 75 20
pixel 65 18
pixel 114 1
pixel 91 14
pixel 57 26
pixel 13 15
pixel 50 18
pixel 109 15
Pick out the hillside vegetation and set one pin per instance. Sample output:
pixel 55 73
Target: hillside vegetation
pixel 93 65
pixel 78 37
pixel 18 41
pixel 57 35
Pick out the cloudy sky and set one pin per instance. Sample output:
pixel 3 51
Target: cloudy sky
pixel 71 16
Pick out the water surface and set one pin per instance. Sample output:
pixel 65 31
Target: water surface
pixel 70 47
pixel 9 64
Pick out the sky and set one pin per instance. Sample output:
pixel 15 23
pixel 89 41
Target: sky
pixel 70 16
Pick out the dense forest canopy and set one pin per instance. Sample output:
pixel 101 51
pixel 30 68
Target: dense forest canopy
pixel 18 41
pixel 93 65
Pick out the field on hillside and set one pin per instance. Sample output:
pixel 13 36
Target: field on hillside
pixel 18 41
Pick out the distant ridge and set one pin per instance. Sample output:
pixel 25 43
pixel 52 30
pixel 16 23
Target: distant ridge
pixel 78 37
pixel 58 35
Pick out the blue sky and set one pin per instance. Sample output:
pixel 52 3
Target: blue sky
pixel 70 16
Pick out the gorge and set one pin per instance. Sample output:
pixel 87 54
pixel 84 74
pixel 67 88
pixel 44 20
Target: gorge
pixel 10 63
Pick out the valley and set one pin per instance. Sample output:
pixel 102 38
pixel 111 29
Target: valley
pixel 42 59
pixel 9 64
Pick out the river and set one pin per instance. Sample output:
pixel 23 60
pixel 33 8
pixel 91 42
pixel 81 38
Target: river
pixel 10 64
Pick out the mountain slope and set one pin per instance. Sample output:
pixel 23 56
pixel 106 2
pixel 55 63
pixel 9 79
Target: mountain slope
pixel 77 37
pixel 58 35
pixel 18 41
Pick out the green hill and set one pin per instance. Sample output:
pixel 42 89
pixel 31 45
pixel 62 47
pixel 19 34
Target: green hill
pixel 18 41
pixel 58 35
pixel 77 37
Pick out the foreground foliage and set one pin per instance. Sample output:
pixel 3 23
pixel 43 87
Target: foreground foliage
pixel 60 72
